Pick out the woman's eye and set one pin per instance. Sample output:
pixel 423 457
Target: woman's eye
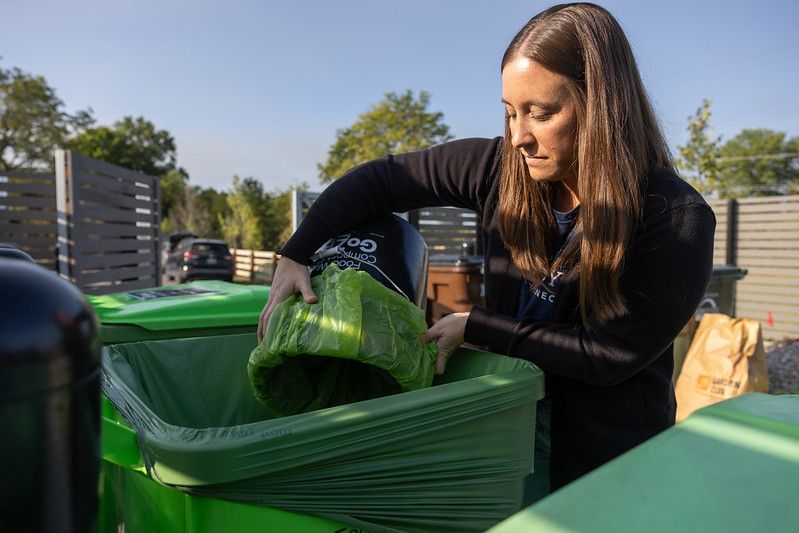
pixel 543 116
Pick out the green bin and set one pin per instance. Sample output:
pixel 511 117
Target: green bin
pixel 729 467
pixel 132 502
pixel 452 457
pixel 196 309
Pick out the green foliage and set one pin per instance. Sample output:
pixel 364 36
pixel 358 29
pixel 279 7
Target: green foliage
pixel 132 143
pixel 173 184
pixel 759 162
pixel 397 124
pixel 277 225
pixel 33 122
pixel 240 227
pixel 756 162
pixel 698 160
pixel 275 219
pixel 249 217
pixel 258 200
pixel 216 204
pixel 271 211
pixel 188 214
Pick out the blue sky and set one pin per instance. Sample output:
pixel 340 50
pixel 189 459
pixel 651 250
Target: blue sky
pixel 259 88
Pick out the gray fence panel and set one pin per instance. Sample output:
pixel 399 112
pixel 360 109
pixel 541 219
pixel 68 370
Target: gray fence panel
pixel 28 216
pixel 110 218
pixel 767 246
pixel 448 230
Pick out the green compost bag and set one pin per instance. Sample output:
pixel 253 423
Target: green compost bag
pixel 359 341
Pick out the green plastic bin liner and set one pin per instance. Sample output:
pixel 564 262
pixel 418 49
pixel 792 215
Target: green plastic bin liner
pixel 359 341
pixel 451 457
pixel 730 467
pixel 132 502
pixel 196 309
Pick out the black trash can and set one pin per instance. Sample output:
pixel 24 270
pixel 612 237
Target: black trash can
pixel 386 247
pixel 720 294
pixel 49 402
pixel 719 298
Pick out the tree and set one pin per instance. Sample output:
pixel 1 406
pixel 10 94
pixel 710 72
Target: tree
pixel 188 214
pixel 33 122
pixel 253 193
pixel 699 158
pixel 759 162
pixel 132 143
pixel 272 210
pixel 277 226
pixel 173 186
pixel 216 203
pixel 399 123
pixel 240 227
pixel 229 215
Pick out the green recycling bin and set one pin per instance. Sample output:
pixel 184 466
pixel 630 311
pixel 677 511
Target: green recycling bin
pixel 450 457
pixel 196 309
pixel 134 502
pixel 729 467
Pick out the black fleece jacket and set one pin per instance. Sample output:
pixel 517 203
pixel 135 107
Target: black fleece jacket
pixel 610 385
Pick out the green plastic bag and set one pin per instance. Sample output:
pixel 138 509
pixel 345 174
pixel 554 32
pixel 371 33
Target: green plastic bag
pixel 359 341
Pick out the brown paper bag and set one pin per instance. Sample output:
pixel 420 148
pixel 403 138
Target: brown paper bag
pixel 726 358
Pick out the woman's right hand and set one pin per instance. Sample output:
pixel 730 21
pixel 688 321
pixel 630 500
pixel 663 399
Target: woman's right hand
pixel 290 278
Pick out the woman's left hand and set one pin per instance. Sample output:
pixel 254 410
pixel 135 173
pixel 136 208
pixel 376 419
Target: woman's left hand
pixel 448 335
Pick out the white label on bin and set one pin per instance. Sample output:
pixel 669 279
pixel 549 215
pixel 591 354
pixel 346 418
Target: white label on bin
pixel 153 294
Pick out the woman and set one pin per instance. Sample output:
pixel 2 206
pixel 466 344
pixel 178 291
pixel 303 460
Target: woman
pixel 596 252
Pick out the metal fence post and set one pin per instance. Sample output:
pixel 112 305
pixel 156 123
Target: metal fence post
pixel 732 232
pixel 63 193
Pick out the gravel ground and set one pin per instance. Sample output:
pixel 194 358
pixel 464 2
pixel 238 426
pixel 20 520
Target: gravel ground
pixel 782 360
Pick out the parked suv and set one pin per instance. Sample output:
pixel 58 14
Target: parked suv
pixel 172 241
pixel 200 259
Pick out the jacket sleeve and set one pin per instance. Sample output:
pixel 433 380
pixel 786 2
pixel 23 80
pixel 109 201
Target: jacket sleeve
pixel 667 273
pixel 452 174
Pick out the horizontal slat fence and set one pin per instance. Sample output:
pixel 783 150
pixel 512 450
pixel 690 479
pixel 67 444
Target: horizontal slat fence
pixel 28 215
pixel 255 266
pixel 448 230
pixel 766 244
pixel 110 228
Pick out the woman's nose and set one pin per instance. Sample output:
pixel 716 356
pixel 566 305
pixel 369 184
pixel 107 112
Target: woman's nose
pixel 521 135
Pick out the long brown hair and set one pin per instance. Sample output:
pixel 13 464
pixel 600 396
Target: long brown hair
pixel 618 142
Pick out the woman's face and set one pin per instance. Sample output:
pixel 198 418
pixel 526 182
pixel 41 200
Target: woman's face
pixel 543 120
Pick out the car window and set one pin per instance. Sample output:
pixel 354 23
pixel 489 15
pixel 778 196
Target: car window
pixel 210 249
